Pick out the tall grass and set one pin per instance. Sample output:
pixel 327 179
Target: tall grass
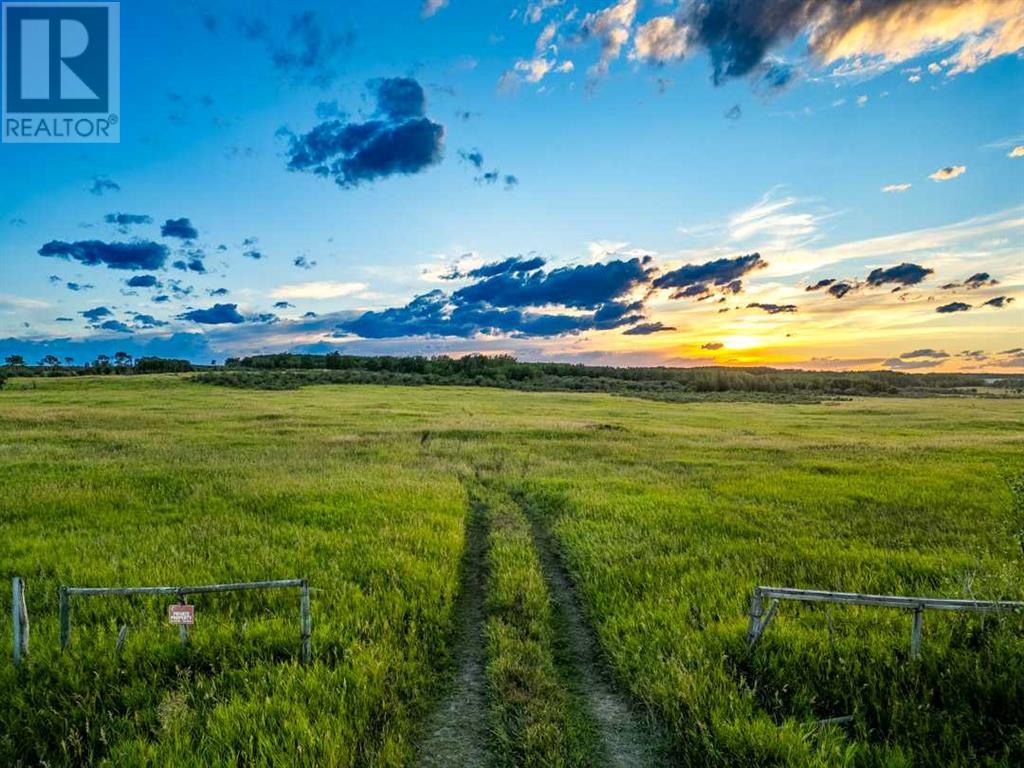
pixel 667 516
pixel 536 719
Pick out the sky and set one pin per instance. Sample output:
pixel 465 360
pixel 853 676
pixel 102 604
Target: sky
pixel 793 183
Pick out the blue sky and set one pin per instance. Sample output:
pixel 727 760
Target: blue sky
pixel 624 149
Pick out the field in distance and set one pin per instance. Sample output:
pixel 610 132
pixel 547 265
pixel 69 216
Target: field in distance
pixel 507 578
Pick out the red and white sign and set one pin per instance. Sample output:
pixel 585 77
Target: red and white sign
pixel 182 614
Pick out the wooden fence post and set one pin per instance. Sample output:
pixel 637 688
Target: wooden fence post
pixel 915 633
pixel 19 614
pixel 307 622
pixel 65 618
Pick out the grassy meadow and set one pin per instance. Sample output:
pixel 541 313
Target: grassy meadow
pixel 663 516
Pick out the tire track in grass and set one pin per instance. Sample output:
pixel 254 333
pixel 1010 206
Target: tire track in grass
pixel 628 743
pixel 456 734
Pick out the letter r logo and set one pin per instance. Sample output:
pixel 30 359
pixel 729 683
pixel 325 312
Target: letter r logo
pixel 57 58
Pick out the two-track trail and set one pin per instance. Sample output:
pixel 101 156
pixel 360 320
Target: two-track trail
pixel 456 732
pixel 627 741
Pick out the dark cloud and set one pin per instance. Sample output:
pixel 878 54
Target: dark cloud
pixel 821 284
pixel 735 112
pixel 902 274
pixel 265 317
pixel 956 306
pixel 909 365
pixel 147 321
pixel 400 98
pixel 79 286
pixel 124 221
pixel 307 53
pixel 500 303
pixel 303 263
pixel 115 325
pixel 161 299
pixel 980 280
pixel 977 280
pixel 284 305
pixel 934 354
pixel 64 320
pixel 254 255
pixel 511 181
pixel 137 255
pixel 310 54
pixel 775 76
pixel 143 281
pixel 192 264
pixel 180 228
pixel 740 34
pixel 514 264
pixel 96 313
pixel 218 314
pixel 434 314
pixel 772 309
pixel 309 315
pixel 179 289
pixel 841 289
pixel 974 354
pixel 999 302
pixel 399 140
pixel 101 185
pixel 583 287
pixel 712 345
pixel 695 280
pixel 218 292
pixel 645 329
pixel 474 158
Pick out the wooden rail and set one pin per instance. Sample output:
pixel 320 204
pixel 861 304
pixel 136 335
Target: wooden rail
pixel 760 618
pixel 306 623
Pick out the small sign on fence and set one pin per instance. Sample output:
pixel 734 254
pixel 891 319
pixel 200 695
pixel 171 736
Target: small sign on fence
pixel 182 614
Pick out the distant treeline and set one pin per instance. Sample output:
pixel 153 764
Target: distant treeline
pixel 289 371
pixel 121 364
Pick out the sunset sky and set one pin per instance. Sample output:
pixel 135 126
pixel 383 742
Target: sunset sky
pixel 800 183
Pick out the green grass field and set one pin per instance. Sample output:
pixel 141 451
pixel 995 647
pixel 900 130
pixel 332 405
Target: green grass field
pixel 664 516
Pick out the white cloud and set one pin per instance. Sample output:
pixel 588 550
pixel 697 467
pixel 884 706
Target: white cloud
pixel 947 173
pixel 983 29
pixel 1017 151
pixel 317 290
pixel 19 302
pixel 774 224
pixel 611 26
pixel 896 187
pixel 660 40
pixel 430 7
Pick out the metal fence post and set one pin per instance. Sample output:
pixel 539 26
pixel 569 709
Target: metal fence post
pixel 182 628
pixel 19 615
pixel 755 617
pixel 915 632
pixel 307 622
pixel 65 618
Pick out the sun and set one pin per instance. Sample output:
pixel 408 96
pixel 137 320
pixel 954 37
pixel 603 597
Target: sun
pixel 741 342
